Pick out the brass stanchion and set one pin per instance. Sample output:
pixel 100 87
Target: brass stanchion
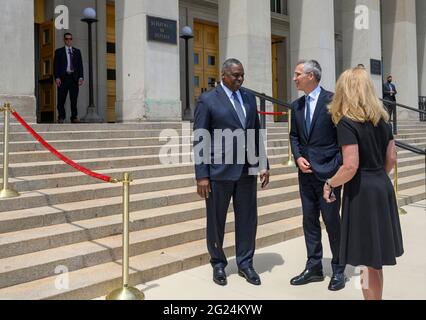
pixel 126 292
pixel 290 161
pixel 395 186
pixel 6 192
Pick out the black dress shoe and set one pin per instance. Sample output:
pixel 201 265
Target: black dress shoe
pixel 308 275
pixel 250 275
pixel 337 282
pixel 219 276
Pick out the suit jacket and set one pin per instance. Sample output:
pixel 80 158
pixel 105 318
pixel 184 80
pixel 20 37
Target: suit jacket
pixel 61 63
pixel 387 90
pixel 214 111
pixel 320 148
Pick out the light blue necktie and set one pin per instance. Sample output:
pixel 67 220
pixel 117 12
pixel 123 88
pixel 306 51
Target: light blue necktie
pixel 308 115
pixel 71 58
pixel 239 109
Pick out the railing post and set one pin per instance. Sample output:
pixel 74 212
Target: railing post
pixel 422 107
pixel 395 185
pixel 262 116
pixel 6 192
pixel 290 161
pixel 126 292
pixel 395 128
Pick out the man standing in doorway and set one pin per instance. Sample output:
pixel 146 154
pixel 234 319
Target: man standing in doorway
pixel 230 108
pixel 69 77
pixel 314 144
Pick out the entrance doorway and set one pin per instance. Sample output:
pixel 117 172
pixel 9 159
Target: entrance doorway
pixel 44 53
pixel 111 63
pixel 206 57
pixel 278 75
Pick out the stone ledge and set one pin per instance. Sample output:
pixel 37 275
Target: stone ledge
pixel 25 105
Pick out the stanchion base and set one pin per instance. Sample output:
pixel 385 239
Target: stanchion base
pixel 126 293
pixel 401 211
pixel 8 193
pixel 91 116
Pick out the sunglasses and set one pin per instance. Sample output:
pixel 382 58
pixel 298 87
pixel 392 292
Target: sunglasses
pixel 68 39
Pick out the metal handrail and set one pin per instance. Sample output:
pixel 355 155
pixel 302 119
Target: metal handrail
pixel 395 104
pixel 411 148
pixel 403 106
pixel 288 105
pixel 263 98
pixel 268 98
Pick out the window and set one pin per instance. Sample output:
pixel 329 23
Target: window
pixel 46 37
pixel 196 81
pixel 279 6
pixel 46 67
pixel 212 82
pixel 211 60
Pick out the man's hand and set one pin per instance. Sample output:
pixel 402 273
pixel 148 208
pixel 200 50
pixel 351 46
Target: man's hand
pixel 264 178
pixel 80 82
pixel 203 188
pixel 58 82
pixel 304 165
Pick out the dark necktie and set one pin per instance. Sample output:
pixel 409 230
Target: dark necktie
pixel 308 115
pixel 71 58
pixel 239 109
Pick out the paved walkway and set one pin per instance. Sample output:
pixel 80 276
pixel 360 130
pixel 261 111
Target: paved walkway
pixel 278 263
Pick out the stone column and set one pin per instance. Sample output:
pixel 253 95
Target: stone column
pixel 17 81
pixel 312 37
pixel 400 51
pixel 148 86
pixel 421 44
pixel 361 36
pixel 245 34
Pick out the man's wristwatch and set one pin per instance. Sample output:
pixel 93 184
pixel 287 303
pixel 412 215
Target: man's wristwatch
pixel 327 182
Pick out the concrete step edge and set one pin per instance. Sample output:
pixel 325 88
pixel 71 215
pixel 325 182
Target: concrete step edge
pixel 150 266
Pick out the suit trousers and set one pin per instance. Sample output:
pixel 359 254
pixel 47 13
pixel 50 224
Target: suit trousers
pixel 390 107
pixel 244 197
pixel 313 203
pixel 69 84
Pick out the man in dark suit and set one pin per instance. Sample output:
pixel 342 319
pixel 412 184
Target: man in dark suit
pixel 69 77
pixel 315 149
pixel 229 170
pixel 389 93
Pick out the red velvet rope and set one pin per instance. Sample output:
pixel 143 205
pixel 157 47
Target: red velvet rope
pixel 272 113
pixel 59 155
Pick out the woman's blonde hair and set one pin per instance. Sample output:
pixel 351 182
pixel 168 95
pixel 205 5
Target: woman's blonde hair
pixel 356 99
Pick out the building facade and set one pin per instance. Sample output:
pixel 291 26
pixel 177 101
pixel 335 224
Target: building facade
pixel 138 78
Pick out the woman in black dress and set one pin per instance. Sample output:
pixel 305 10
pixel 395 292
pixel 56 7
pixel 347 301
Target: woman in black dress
pixel 371 232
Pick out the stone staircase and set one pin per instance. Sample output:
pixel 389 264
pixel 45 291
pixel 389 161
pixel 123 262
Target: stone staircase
pixel 64 220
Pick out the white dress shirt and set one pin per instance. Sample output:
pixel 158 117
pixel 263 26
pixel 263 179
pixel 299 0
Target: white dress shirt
pixel 313 99
pixel 229 94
